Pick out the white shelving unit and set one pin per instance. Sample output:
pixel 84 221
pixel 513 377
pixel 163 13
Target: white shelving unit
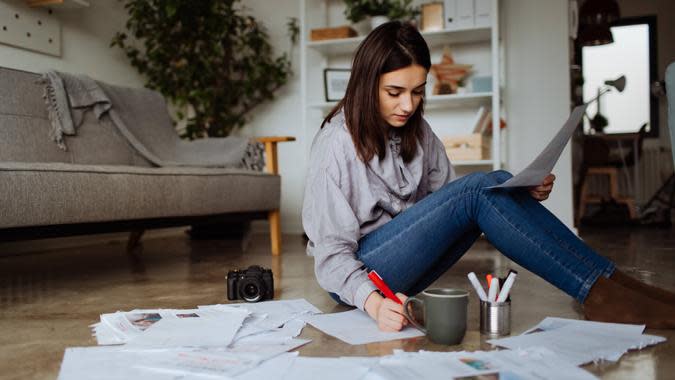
pixel 447 114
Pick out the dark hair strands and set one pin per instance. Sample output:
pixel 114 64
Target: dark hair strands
pixel 389 47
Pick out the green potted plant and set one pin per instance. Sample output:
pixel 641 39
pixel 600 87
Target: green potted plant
pixel 206 57
pixel 379 11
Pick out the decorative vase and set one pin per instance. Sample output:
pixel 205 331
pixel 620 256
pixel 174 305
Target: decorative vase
pixel 362 27
pixel 376 21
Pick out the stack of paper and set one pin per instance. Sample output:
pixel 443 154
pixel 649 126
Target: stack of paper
pixel 211 325
pixel 580 342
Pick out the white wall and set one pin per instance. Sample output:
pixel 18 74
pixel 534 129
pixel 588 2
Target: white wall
pixel 537 88
pixel 86 35
pixel 283 116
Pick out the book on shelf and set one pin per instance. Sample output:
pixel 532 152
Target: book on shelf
pixel 479 119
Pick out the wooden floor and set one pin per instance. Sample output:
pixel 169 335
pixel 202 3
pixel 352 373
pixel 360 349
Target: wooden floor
pixel 48 298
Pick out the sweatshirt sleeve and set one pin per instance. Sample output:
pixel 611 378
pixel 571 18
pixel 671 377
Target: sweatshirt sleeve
pixel 333 230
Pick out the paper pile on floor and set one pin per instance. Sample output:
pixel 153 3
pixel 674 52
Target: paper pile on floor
pixel 252 340
pixel 119 363
pixel 213 340
pixel 581 342
pixel 206 326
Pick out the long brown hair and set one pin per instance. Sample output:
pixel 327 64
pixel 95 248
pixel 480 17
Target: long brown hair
pixel 389 47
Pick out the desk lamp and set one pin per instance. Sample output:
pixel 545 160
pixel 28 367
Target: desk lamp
pixel 599 122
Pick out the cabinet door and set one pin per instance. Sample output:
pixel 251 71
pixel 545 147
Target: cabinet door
pixel 482 13
pixel 450 14
pixel 465 13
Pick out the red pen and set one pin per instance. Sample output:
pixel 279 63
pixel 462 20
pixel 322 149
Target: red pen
pixel 379 282
pixel 489 279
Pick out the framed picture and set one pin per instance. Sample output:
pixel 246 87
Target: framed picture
pixel 335 83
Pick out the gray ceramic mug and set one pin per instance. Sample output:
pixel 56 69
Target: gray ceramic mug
pixel 445 313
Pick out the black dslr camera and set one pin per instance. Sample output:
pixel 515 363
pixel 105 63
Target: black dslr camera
pixel 251 285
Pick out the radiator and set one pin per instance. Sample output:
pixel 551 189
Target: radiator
pixel 654 168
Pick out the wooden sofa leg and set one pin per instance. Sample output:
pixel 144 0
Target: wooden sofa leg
pixel 134 240
pixel 275 231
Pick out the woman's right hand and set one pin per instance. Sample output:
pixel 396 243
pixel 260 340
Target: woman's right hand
pixel 387 313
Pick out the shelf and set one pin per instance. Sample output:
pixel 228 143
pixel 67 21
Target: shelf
pixel 436 101
pixel 479 46
pixel 472 99
pixel 65 4
pixel 472 163
pixel 437 38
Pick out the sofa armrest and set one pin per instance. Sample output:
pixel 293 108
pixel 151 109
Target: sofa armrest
pixel 271 163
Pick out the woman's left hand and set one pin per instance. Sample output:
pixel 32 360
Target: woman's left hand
pixel 542 191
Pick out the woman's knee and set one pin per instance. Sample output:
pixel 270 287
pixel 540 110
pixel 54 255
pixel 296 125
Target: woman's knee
pixel 500 176
pixel 477 181
pixel 480 180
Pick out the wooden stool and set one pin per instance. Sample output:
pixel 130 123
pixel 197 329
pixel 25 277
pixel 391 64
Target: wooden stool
pixel 586 197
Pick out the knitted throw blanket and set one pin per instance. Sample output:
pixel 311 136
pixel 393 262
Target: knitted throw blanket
pixel 141 117
pixel 68 97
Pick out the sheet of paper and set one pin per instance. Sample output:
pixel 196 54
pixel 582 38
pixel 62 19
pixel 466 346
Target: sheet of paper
pixel 121 326
pixel 274 368
pixel 124 362
pixel 552 323
pixel 219 362
pixel 534 174
pixel 196 332
pixel 533 363
pixel 272 314
pixel 291 329
pixel 579 344
pixel 269 348
pixel 107 363
pixel 304 368
pixel 356 327
pixel 200 363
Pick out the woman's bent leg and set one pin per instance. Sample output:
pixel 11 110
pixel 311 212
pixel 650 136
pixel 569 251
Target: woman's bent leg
pixel 585 253
pixel 413 246
pixel 555 227
pixel 404 250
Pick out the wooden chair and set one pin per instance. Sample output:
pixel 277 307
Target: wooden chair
pixel 272 167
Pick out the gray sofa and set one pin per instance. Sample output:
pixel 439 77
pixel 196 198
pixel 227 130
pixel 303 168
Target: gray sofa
pixel 100 184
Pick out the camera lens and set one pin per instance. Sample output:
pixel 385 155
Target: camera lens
pixel 250 291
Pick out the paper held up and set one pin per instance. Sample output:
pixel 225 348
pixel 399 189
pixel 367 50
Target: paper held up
pixel 534 174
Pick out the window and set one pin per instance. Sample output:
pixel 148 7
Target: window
pixel 632 54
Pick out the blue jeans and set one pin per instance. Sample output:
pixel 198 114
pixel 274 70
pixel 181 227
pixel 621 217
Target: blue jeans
pixel 420 244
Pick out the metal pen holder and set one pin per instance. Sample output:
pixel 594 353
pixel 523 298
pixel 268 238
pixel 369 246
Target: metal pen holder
pixel 495 318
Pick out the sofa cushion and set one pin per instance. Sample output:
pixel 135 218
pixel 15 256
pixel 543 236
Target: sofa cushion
pixel 56 193
pixel 25 138
pixel 98 142
pixel 25 128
